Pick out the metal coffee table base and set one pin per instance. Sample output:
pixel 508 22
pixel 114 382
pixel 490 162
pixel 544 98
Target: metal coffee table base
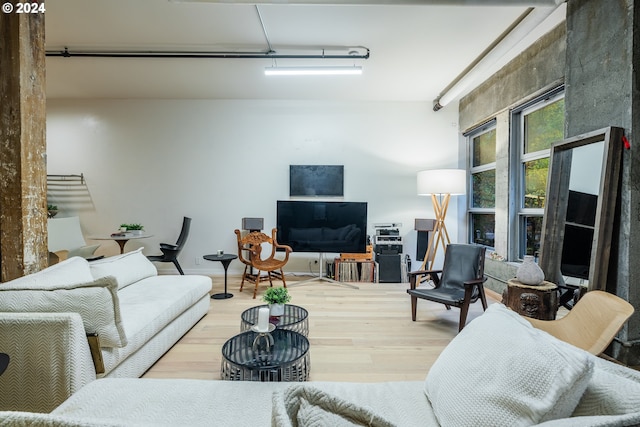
pixel 287 359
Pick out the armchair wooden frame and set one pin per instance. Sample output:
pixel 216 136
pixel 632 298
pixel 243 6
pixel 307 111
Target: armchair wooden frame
pixel 250 254
pixel 449 296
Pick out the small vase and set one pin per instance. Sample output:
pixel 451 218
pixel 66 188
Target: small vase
pixel 529 273
pixel 275 313
pixel 276 310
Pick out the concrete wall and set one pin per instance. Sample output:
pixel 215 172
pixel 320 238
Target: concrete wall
pixel 601 90
pixel 597 58
pixel 538 69
pixel 153 161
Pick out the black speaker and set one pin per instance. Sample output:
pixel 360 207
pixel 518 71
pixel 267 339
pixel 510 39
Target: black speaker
pixel 252 223
pixel 390 270
pixel 422 245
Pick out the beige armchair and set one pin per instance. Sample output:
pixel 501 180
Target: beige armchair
pixel 592 323
pixel 65 234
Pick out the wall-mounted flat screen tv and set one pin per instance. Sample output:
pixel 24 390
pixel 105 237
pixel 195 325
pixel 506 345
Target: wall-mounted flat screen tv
pixel 576 251
pixel 316 180
pixel 578 234
pixel 581 208
pixel 313 226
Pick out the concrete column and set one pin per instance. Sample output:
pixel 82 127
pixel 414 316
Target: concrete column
pixel 23 180
pixel 603 52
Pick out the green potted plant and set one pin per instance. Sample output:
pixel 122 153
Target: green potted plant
pixel 276 298
pixel 52 210
pixel 135 228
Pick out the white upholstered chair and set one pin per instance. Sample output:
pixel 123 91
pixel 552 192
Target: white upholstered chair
pixel 65 234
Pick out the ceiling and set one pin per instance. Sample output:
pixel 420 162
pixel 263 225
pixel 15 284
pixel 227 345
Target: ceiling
pixel 415 51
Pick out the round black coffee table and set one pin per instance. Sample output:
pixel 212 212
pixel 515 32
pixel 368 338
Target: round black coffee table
pixel 246 359
pixel 294 319
pixel 225 259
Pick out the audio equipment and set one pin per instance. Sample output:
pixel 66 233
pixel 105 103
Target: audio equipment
pixel 424 224
pixel 252 224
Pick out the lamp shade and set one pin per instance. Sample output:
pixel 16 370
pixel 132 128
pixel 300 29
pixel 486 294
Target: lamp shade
pixel 442 181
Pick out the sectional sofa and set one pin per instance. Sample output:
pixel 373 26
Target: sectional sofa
pixel 77 321
pixel 499 371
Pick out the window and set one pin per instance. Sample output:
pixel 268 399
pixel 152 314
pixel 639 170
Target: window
pixel 536 126
pixel 482 203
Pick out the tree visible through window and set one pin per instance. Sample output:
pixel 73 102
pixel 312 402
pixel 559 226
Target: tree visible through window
pixel 541 124
pixel 482 203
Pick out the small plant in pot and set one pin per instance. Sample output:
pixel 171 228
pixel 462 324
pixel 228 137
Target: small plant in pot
pixel 135 228
pixel 52 210
pixel 276 298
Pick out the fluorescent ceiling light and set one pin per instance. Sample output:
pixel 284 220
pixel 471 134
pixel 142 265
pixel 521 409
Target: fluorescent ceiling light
pixel 312 71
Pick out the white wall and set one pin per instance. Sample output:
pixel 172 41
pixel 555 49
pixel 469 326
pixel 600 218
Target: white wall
pixel 155 161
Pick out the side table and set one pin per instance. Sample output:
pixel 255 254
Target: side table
pixel 538 302
pixel 295 319
pixel 286 359
pixel 225 259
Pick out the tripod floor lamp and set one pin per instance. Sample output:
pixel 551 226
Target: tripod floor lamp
pixel 440 184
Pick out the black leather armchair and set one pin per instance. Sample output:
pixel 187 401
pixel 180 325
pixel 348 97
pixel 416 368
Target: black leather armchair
pixel 458 284
pixel 170 252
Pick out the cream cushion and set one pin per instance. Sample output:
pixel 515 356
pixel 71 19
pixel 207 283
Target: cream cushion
pixel 610 393
pixel 501 371
pixel 126 268
pixel 68 272
pixel 96 301
pixel 145 317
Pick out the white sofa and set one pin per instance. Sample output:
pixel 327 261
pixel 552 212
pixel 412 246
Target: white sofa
pixel 136 314
pixel 499 371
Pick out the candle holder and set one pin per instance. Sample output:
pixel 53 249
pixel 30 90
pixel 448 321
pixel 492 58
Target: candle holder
pixel 263 336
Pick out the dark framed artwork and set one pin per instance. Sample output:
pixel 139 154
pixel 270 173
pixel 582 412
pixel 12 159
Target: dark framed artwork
pixel 316 180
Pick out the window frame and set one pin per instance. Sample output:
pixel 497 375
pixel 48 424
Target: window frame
pixel 471 170
pixel 518 159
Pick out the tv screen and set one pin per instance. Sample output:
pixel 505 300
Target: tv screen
pixel 581 208
pixel 576 251
pixel 316 180
pixel 311 226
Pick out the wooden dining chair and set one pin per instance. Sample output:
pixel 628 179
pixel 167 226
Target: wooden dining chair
pixel 250 253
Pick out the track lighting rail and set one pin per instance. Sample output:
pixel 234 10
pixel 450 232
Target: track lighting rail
pixel 67 53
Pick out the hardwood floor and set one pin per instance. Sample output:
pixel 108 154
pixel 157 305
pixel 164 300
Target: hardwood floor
pixel 363 335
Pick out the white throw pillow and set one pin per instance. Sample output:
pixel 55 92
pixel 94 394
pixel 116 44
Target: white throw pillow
pixel 68 272
pixel 500 370
pixel 96 301
pixel 126 268
pixel 613 390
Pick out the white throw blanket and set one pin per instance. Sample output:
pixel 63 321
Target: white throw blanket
pixel 302 405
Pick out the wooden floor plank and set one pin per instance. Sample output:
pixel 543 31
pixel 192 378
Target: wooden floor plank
pixel 363 335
